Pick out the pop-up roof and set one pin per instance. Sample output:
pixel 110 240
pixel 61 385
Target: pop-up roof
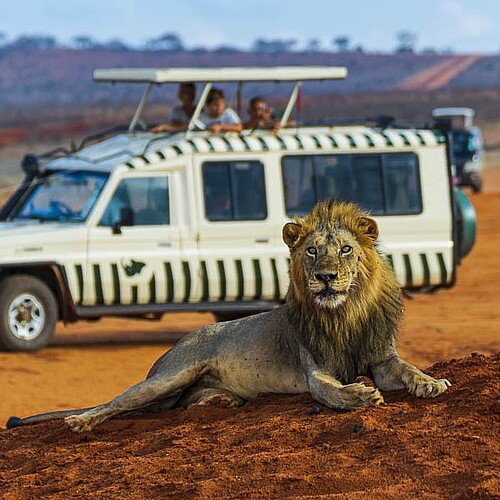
pixel 466 114
pixel 236 74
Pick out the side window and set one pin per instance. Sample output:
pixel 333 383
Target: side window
pixel 299 183
pixel 139 202
pixel 309 179
pixel 234 190
pixel 333 177
pixel 402 184
pixel 367 189
pixel 383 184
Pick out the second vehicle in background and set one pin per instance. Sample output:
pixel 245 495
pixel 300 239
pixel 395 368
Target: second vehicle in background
pixel 467 144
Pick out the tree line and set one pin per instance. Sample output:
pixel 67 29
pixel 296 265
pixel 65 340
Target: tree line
pixel 172 42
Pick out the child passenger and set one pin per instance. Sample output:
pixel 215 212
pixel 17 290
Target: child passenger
pixel 217 117
pixel 260 116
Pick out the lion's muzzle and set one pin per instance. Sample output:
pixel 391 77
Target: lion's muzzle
pixel 326 278
pixel 328 297
pixel 328 292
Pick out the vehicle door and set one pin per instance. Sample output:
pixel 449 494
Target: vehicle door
pixel 235 231
pixel 134 254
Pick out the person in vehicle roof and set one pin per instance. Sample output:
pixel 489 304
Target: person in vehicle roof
pixel 260 115
pixel 217 117
pixel 180 115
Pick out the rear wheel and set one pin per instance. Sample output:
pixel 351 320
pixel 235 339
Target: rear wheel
pixel 28 313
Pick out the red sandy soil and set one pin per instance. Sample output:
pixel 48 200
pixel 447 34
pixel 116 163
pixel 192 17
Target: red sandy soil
pixel 273 447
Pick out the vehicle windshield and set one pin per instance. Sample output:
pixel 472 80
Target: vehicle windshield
pixel 464 146
pixel 63 196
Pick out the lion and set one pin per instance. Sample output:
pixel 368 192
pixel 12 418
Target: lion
pixel 339 322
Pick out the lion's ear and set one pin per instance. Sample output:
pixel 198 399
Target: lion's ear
pixel 291 233
pixel 369 228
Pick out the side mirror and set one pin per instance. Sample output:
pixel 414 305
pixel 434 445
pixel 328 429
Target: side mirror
pixel 126 219
pixel 30 165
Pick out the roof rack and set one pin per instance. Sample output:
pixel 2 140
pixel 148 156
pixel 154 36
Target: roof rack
pixel 233 74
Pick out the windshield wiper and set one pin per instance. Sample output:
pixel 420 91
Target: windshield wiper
pixel 40 218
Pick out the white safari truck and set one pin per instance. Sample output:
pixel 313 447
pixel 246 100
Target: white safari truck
pixel 140 224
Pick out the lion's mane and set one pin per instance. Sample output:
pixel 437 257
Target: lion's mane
pixel 344 339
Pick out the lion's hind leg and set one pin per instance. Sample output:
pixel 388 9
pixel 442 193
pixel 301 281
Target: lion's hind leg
pixel 151 390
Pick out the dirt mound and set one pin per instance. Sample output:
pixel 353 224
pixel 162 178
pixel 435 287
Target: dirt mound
pixel 276 447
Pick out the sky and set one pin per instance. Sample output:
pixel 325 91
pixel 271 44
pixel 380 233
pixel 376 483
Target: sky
pixel 465 26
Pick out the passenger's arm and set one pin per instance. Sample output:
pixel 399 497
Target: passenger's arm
pixel 167 127
pixel 226 127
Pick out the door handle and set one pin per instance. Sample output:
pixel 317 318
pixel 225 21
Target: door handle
pixel 164 244
pixel 261 240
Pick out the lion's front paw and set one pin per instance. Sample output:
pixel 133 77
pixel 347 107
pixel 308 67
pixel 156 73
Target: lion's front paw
pixel 424 386
pixel 78 423
pixel 358 395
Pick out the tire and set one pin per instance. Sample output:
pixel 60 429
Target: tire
pixel 28 313
pixel 476 184
pixel 466 222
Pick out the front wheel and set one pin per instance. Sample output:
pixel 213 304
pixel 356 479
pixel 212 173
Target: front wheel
pixel 476 183
pixel 28 313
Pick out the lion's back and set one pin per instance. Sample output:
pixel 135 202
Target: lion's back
pixel 263 336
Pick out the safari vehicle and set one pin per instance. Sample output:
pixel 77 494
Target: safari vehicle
pixel 467 144
pixel 140 224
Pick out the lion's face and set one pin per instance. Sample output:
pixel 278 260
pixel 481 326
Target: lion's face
pixel 330 266
pixel 330 259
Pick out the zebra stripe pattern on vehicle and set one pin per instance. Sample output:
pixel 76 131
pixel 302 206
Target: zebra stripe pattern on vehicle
pixel 415 270
pixel 229 279
pixel 169 282
pixel 319 140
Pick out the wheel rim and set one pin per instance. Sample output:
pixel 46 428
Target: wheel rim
pixel 26 317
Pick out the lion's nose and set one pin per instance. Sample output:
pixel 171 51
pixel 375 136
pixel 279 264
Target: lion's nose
pixel 326 277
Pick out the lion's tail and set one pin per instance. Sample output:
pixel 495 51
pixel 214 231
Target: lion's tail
pixel 42 417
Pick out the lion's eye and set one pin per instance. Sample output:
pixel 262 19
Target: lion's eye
pixel 346 249
pixel 311 251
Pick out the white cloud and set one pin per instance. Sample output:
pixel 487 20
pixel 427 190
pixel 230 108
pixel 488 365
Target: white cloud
pixel 471 24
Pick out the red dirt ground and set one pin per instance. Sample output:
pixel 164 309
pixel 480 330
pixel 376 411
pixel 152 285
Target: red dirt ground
pixel 272 447
pixel 440 74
